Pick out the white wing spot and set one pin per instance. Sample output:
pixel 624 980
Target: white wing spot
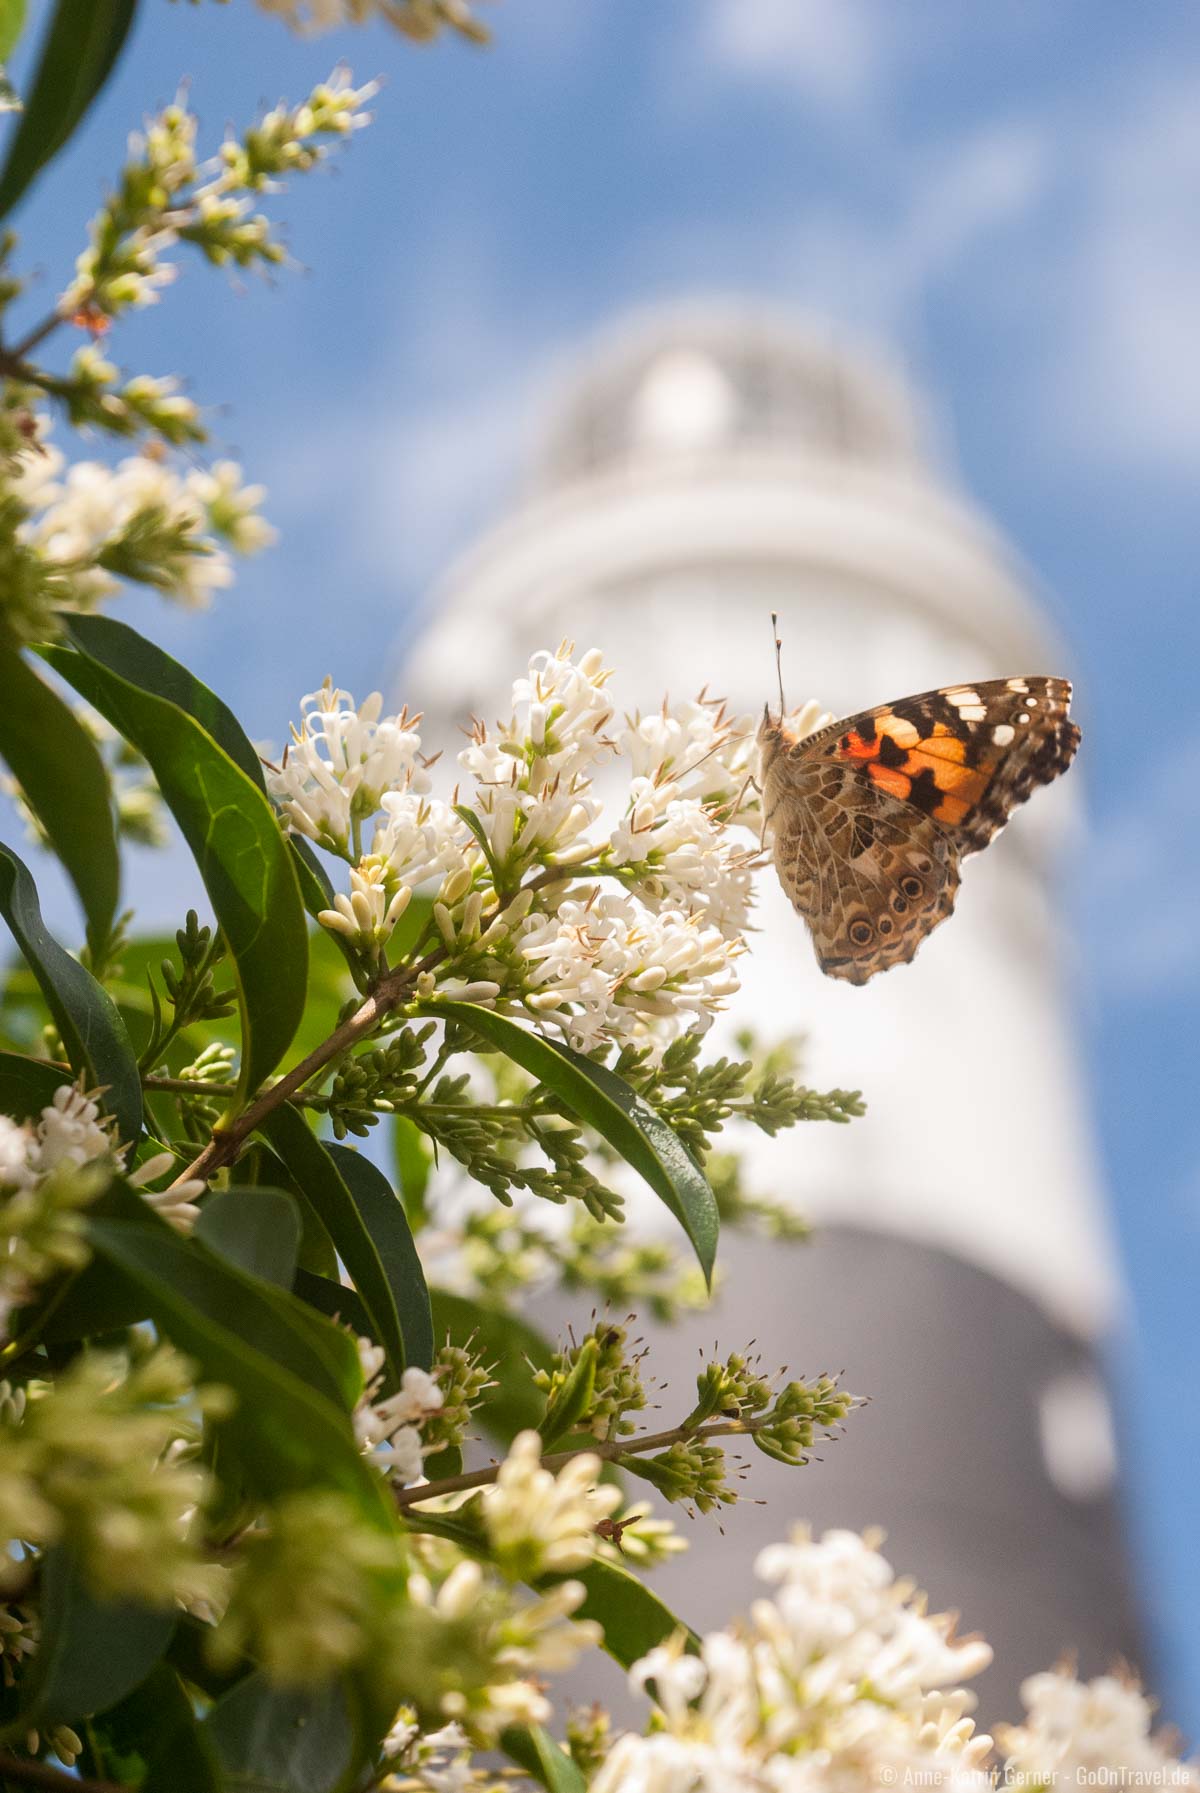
pixel 964 698
pixel 1003 733
pixel 976 712
pixel 1023 717
pixel 1017 685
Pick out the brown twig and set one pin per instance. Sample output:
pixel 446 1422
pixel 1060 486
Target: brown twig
pixel 226 1141
pixel 390 991
pixel 40 1774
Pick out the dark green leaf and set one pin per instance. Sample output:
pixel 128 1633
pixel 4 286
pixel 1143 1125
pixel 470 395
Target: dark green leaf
pixel 316 893
pixel 322 1180
pixel 235 839
pixel 27 1085
pixel 132 657
pixel 334 1300
pixel 511 1348
pixel 633 1619
pixel 86 1016
pixel 256 1229
pixel 283 1740
pixel 58 766
pixel 92 1651
pixel 153 1735
pixel 604 1101
pixel 82 42
pixel 286 1435
pixel 384 1217
pixel 535 1750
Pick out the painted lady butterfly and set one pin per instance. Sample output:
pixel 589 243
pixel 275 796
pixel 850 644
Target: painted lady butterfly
pixel 871 816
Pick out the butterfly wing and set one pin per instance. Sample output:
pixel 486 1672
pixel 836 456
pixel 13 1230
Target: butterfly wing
pixel 872 815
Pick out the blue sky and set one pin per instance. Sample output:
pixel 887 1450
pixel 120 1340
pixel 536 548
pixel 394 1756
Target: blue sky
pixel 1006 197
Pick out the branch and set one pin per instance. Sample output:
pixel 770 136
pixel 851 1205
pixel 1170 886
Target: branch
pixel 40 1774
pixel 609 1450
pixel 226 1141
pixel 391 990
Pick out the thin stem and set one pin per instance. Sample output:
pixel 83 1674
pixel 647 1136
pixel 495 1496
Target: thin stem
pixel 36 338
pixel 40 1774
pixel 609 1450
pixel 391 990
pixel 499 1111
pixel 226 1141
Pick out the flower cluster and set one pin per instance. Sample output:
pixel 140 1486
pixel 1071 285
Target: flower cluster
pixel 165 196
pixel 139 520
pixel 50 1170
pixel 389 1430
pixel 625 931
pixel 843 1680
pixel 103 1460
pixel 1073 1731
pixel 539 1523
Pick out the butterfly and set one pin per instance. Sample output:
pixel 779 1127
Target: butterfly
pixel 871 817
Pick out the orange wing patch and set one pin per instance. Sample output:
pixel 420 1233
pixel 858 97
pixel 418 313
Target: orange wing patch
pixel 929 771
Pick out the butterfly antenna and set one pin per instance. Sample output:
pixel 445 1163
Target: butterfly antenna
pixel 778 661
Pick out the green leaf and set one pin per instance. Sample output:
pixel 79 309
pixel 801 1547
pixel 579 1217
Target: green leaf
pixel 153 1739
pixel 413 1161
pixel 81 45
pixel 511 1347
pixel 334 1300
pixel 574 1397
pixel 633 1619
pixel 285 1433
pixel 605 1101
pixel 384 1217
pixel 256 1229
pixel 92 1651
pixel 86 1016
pixel 12 23
pixel 27 1085
pixel 132 657
pixel 235 839
pixel 58 766
pixel 535 1750
pixel 284 1740
pixel 325 1185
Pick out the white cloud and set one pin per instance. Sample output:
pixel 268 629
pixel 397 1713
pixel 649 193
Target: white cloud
pixel 1144 867
pixel 1124 380
pixel 834 52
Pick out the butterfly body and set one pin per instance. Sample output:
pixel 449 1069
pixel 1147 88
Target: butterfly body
pixel 871 817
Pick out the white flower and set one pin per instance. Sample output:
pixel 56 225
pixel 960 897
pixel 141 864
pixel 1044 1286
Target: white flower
pixel 231 507
pixel 1073 1729
pixel 70 1132
pixel 684 856
pixel 388 1431
pixel 839 1683
pixel 341 762
pixel 369 914
pixel 175 1204
pixel 627 973
pixel 142 513
pixel 540 1523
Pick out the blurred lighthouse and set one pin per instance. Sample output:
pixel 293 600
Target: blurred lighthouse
pixel 706 466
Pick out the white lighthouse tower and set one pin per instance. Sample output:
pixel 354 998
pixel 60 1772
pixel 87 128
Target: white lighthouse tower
pixel 705 467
